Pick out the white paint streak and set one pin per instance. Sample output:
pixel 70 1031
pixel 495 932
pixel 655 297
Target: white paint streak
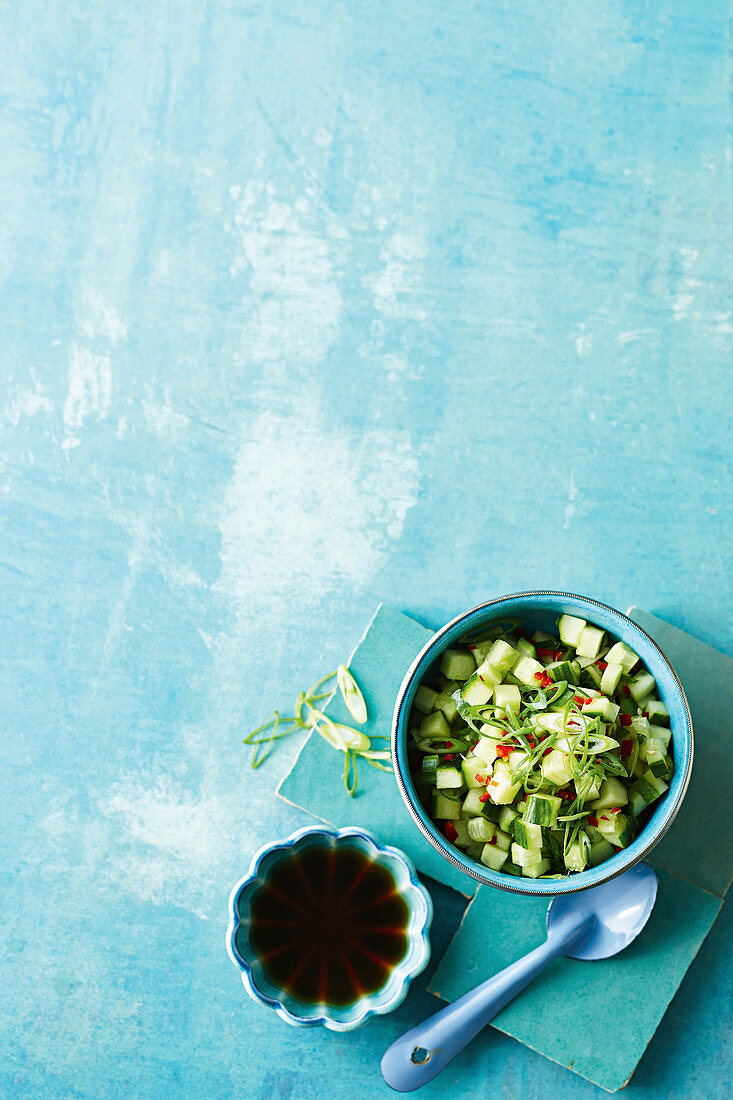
pixel 25 404
pixel 90 386
pixel 393 287
pixel 583 341
pixel 293 301
pixel 309 510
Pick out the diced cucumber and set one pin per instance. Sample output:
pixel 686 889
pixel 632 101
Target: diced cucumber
pixel 610 678
pixel 507 814
pixel 657 712
pixel 649 787
pixel 592 673
pixel 542 809
pixel 493 856
pixel 486 749
pixel 489 675
pixel 425 699
pixel 613 793
pixel 480 828
pixel 639 726
pixel 525 857
pixel 525 647
pixel 600 851
pixel 590 641
pixel 500 786
pixel 471 767
pixel 448 777
pixel 481 651
pixel 473 806
pixel 541 637
pixel 475 692
pixel 564 670
pixel 662 769
pixel 526 671
pixel 642 685
pixel 577 856
pixel 612 827
pixel 457 664
pixel 444 808
pixel 660 733
pixel 528 836
pixel 652 750
pixel 445 703
pixel 502 656
pixel 603 707
pixel 429 769
pixel 570 629
pixel 503 839
pixel 534 870
pixel 590 787
pixel 475 849
pixel 556 768
pixel 620 654
pixel 508 697
pixel 462 839
pixel 435 726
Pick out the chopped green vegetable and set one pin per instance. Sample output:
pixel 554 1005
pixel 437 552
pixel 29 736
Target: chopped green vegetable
pixel 545 754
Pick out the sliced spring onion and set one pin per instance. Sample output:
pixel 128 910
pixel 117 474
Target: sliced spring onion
pixel 351 694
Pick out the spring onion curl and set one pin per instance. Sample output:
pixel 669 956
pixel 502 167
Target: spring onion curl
pixel 309 715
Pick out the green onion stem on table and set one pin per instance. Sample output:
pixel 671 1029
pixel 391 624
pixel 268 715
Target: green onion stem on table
pixel 308 716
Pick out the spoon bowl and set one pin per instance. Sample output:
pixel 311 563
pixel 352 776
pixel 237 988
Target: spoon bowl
pixel 620 909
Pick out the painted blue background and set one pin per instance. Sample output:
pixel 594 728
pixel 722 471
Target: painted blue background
pixel 308 305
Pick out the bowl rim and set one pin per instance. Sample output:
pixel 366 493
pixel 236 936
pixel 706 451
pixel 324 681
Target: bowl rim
pixel 418 900
pixel 513 885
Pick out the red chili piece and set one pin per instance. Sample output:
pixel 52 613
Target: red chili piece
pixel 617 849
pixel 645 714
pixel 581 700
pixel 449 756
pixel 449 744
pixel 593 821
pixel 470 647
pixel 565 795
pixel 547 752
pixel 504 750
pixel 484 797
pixel 450 830
pixel 603 665
pixel 626 689
pixel 615 809
pixel 627 747
pixel 540 675
pixel 625 719
pixel 479 778
pixel 493 840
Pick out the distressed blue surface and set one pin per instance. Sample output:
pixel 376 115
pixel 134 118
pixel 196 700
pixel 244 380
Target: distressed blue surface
pixel 306 306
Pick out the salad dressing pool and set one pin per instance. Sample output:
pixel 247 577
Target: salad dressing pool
pixel 329 925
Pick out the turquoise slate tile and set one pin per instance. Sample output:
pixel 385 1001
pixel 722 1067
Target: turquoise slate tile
pixel 595 1018
pixel 315 782
pixel 699 846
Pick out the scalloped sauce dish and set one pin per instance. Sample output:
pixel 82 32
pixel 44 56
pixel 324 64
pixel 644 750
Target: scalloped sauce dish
pixel 329 925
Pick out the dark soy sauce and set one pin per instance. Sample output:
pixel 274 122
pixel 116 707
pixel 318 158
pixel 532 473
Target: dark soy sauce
pixel 329 925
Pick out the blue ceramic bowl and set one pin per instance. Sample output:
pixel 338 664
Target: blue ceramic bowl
pixel 540 611
pixel 347 1017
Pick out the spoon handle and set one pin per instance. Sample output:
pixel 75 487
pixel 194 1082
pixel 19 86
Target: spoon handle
pixel 420 1054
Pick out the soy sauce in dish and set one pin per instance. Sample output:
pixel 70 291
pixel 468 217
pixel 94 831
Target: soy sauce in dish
pixel 328 925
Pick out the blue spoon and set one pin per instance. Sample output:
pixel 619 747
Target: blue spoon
pixel 592 924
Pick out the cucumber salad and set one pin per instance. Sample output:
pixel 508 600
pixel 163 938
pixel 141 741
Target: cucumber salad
pixel 539 756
